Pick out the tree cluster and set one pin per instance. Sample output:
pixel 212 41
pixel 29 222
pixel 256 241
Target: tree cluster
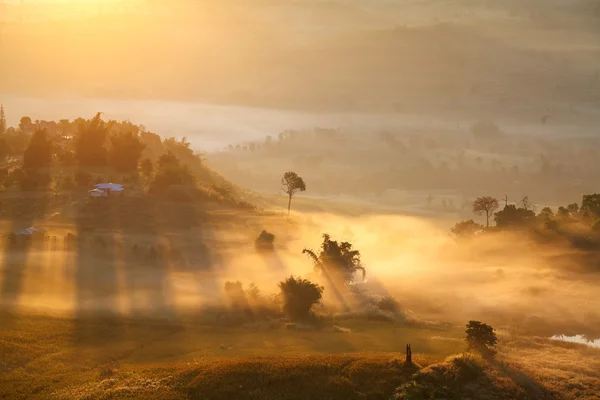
pixel 86 144
pixel 524 216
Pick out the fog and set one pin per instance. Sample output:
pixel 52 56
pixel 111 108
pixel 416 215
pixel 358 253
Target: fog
pixel 424 73
pixel 506 280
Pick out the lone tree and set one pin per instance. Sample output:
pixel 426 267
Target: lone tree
pixel 487 205
pixel 292 184
pixel 481 337
pixel 299 295
pixel 337 261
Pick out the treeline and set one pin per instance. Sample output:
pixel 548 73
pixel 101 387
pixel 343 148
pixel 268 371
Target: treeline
pixel 468 160
pixel 524 216
pixel 85 151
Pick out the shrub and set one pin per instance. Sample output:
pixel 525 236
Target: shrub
pixel 264 241
pixel 465 229
pixel 481 337
pixel 299 295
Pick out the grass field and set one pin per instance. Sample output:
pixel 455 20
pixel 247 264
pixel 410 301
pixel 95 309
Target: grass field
pixel 46 357
pixel 95 321
pixel 64 357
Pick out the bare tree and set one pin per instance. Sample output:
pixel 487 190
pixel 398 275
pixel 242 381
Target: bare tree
pixel 292 184
pixel 487 205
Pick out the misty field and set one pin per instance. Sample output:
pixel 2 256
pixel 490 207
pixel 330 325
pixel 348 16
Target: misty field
pixel 94 321
pixel 318 190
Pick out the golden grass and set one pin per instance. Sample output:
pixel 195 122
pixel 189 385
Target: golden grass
pixel 43 357
pixel 75 358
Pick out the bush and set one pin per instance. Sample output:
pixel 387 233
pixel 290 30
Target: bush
pixel 466 229
pixel 264 241
pixel 299 295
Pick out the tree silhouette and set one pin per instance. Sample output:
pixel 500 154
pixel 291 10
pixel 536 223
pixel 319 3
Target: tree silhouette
pixel 126 151
pixel 25 124
pixel 292 184
pixel 511 216
pixel 590 205
pixel 299 295
pixel 546 214
pixel 90 140
pixel 487 205
pixel 481 337
pixel 337 261
pixel 39 152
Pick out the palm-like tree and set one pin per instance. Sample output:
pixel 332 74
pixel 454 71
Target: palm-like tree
pixel 337 261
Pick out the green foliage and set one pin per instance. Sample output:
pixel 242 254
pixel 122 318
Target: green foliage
pixel 90 140
pixel 337 261
pixel 481 337
pixel 126 151
pixel 466 229
pixel 39 152
pixel 299 295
